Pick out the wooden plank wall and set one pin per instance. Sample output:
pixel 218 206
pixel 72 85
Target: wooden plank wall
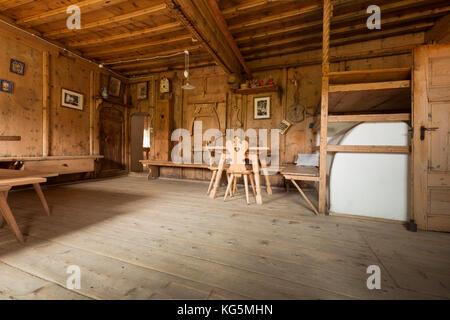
pixel 54 130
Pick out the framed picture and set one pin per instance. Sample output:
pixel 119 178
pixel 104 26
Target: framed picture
pixel 17 67
pixel 262 108
pixel 71 99
pixel 6 86
pixel 114 87
pixel 142 90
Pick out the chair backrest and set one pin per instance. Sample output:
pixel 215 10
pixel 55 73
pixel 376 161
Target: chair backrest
pixel 236 151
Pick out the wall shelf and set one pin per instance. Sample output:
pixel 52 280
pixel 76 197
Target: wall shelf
pixel 258 90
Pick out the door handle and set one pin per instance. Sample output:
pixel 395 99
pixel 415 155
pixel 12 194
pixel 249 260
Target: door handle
pixel 422 131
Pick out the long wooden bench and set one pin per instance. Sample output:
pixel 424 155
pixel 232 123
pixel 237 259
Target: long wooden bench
pixel 154 166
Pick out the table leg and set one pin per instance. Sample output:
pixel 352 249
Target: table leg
pixel 305 197
pixel 255 165
pixel 41 196
pixel 5 210
pixel 218 176
pixel 5 193
pixel 266 175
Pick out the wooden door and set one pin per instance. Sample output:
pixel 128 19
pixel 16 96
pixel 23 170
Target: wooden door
pixel 431 117
pixel 111 139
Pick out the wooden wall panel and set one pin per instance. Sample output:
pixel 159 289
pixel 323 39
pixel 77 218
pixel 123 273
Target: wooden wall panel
pixel 21 111
pixel 70 127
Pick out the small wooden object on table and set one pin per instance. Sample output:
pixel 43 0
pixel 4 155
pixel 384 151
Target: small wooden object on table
pixel 301 173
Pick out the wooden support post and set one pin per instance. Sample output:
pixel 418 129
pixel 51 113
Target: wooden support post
pixel 324 106
pixel 92 108
pixel 45 103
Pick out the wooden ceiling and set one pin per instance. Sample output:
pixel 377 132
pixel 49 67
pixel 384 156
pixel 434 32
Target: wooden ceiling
pixel 236 32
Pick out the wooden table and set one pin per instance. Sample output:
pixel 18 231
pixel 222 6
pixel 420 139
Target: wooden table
pixel 255 159
pixel 12 178
pixel 302 173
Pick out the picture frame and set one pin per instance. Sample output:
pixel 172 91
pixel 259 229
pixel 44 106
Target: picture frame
pixel 114 86
pixel 17 67
pixel 284 126
pixel 142 90
pixel 261 108
pixel 6 86
pixel 72 99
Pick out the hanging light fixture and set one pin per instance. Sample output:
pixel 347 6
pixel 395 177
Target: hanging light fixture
pixel 187 86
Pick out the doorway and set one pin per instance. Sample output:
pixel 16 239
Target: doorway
pixel 139 140
pixel 111 140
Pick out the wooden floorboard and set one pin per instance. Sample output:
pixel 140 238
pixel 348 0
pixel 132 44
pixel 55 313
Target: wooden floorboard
pixel 162 239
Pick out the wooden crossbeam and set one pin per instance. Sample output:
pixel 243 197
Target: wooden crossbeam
pixel 273 18
pixel 128 35
pixel 11 4
pixel 225 30
pixel 107 21
pixel 440 31
pixel 10 138
pixel 370 117
pixel 134 47
pixel 197 17
pixel 314 41
pixel 370 86
pixel 316 36
pixel 369 149
pixel 85 6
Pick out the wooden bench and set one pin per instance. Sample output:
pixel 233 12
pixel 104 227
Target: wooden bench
pixel 154 166
pixel 302 173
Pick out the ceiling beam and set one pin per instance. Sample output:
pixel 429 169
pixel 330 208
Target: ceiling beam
pixel 242 8
pixel 11 4
pixel 362 50
pixel 58 13
pixel 440 32
pixel 139 46
pixel 128 35
pixel 274 18
pixel 340 42
pixel 101 23
pixel 149 60
pixel 397 19
pixel 224 28
pixel 341 32
pixel 165 52
pixel 198 19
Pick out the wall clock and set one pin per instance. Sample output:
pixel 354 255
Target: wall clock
pixel 164 86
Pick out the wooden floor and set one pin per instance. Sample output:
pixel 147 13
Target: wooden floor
pixel 162 239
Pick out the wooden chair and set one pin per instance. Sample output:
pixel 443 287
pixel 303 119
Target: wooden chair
pixel 238 169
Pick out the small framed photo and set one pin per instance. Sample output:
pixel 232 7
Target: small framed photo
pixel 6 86
pixel 262 108
pixel 72 99
pixel 142 90
pixel 17 67
pixel 114 87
